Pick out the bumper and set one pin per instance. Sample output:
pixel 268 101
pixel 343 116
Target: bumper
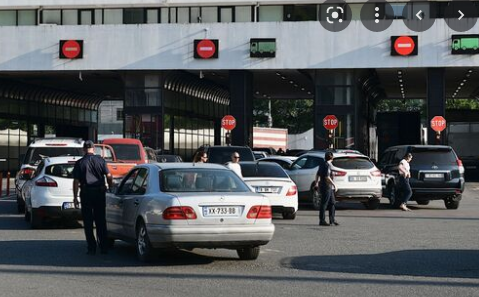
pixel 283 209
pixel 358 194
pixel 209 236
pixel 56 212
pixel 435 193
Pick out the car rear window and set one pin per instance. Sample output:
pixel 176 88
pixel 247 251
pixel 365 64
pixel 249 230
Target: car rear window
pixel 352 163
pixel 222 155
pixel 429 156
pixel 126 151
pixel 60 170
pixel 263 170
pixel 201 180
pixel 36 154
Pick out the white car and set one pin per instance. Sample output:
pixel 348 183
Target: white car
pixel 49 194
pixel 185 205
pixel 272 181
pixel 355 175
pixel 38 150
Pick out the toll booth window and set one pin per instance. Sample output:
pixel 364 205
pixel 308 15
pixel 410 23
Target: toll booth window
pixel 209 14
pixel 8 18
pixel 70 17
pixel 270 13
pixel 134 16
pixel 27 18
pixel 183 15
pixel 113 16
pixel 243 14
pixel 51 17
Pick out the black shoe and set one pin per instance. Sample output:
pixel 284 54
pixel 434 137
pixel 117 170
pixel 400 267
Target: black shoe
pixel 334 224
pixel 91 252
pixel 323 224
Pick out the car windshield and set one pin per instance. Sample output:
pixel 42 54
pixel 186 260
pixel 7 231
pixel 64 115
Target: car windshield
pixel 352 163
pixel 36 154
pixel 126 151
pixel 436 156
pixel 201 180
pixel 263 170
pixel 60 170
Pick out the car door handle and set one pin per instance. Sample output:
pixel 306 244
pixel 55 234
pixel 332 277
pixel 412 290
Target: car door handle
pixel 136 202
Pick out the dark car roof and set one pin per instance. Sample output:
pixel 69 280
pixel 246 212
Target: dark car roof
pixel 420 146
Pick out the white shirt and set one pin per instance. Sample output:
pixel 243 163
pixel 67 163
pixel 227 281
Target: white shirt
pixel 235 167
pixel 405 166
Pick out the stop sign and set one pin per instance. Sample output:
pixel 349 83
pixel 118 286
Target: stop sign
pixel 438 123
pixel 228 122
pixel 71 49
pixel 404 45
pixel 330 122
pixel 206 48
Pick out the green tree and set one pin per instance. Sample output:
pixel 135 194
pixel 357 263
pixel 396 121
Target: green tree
pixel 294 115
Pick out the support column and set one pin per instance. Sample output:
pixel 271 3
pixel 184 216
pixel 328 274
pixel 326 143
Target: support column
pixel 217 128
pixel 241 106
pixel 436 100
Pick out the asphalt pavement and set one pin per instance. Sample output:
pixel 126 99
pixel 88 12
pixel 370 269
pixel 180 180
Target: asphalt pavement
pixel 429 251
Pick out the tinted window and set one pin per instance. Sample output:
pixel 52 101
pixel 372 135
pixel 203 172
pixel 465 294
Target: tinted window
pixel 126 151
pixel 125 188
pixel 222 155
pixel 201 180
pixel 439 157
pixel 352 163
pixel 60 170
pixel 36 154
pixel 262 170
pixel 140 182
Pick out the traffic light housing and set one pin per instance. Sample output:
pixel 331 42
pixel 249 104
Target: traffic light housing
pixel 228 138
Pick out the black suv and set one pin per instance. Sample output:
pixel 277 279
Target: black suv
pixel 436 174
pixel 222 154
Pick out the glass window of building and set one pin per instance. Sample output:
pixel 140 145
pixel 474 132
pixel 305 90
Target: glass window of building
pixel 51 17
pixel 164 15
pixel 397 11
pixel 209 14
pixel 356 11
pixel 243 14
pixel 173 15
pixel 98 16
pixel 195 15
pixel 226 14
pixel 133 16
pixel 183 15
pixel 69 17
pixel 86 17
pixel 300 12
pixel 270 13
pixel 27 17
pixel 152 16
pixel 8 18
pixel 113 16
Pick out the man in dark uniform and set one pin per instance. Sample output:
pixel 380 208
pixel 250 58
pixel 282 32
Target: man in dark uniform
pixel 89 176
pixel 327 187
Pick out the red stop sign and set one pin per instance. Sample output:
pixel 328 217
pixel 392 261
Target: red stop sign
pixel 206 48
pixel 330 122
pixel 71 49
pixel 404 45
pixel 228 122
pixel 438 123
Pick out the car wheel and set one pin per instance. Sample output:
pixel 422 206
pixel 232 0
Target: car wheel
pixel 144 250
pixel 289 215
pixel 451 203
pixel 423 202
pixel 373 204
pixel 393 196
pixel 35 219
pixel 316 200
pixel 249 253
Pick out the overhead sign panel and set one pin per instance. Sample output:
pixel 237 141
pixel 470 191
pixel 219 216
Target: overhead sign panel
pixel 206 48
pixel 465 44
pixel 262 47
pixel 404 46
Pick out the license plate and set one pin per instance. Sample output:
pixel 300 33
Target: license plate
pixel 358 178
pixel 221 211
pixel 433 175
pixel 68 205
pixel 267 189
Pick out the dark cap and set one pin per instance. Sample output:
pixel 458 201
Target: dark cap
pixel 88 144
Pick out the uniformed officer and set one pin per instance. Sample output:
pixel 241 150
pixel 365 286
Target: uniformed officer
pixel 89 176
pixel 327 187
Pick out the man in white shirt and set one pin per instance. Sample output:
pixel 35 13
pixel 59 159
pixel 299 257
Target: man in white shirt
pixel 234 164
pixel 404 175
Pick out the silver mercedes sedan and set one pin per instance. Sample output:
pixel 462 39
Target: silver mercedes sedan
pixel 186 206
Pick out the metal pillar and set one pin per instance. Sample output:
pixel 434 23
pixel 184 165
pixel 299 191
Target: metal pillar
pixel 241 106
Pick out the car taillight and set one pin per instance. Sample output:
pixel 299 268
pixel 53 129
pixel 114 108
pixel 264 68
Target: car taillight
pixel 292 191
pixel 260 212
pixel 179 213
pixel 459 162
pixel 339 173
pixel 461 167
pixel 46 182
pixel 376 173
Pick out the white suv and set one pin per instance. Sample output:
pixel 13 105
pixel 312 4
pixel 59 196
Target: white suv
pixel 49 193
pixel 355 175
pixel 38 150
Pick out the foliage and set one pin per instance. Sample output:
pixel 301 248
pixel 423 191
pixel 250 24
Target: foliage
pixel 462 104
pixel 294 115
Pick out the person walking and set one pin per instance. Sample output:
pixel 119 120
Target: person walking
pixel 89 177
pixel 404 186
pixel 234 164
pixel 327 187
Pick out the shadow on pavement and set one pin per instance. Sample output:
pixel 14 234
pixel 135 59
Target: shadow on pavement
pixel 424 263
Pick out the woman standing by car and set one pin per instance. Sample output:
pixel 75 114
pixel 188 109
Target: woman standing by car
pixel 404 175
